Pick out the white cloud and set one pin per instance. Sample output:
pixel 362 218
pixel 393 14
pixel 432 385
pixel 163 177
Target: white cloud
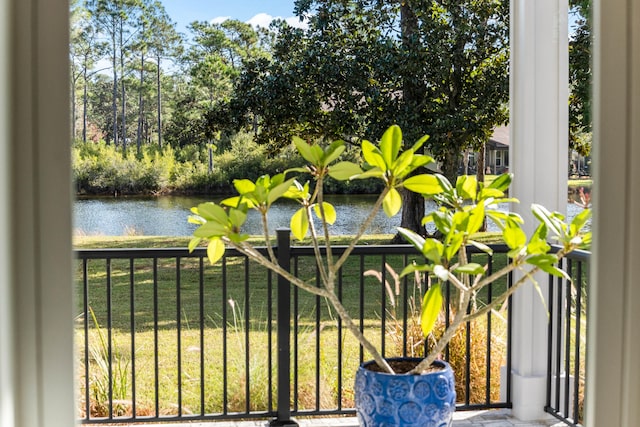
pixel 219 19
pixel 294 21
pixel 261 20
pixel 264 19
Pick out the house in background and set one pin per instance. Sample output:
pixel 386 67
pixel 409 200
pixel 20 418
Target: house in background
pixel 496 155
pixel 497 151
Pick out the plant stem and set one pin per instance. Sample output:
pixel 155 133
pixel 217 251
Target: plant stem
pixel 250 252
pixel 362 229
pixel 458 319
pixel 353 328
pixel 267 241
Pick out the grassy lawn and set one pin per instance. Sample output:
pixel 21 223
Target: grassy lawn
pixel 224 335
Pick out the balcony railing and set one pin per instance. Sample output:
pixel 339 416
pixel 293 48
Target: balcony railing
pixel 164 336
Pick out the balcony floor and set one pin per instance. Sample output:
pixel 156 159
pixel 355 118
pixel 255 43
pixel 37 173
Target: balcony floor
pixel 490 418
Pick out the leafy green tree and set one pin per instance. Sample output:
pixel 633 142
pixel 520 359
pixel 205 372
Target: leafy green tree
pixel 580 78
pixel 433 67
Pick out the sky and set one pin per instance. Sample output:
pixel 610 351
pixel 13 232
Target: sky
pixel 256 12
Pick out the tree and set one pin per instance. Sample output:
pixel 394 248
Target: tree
pixel 117 20
pixel 164 42
pixel 580 78
pixel 433 67
pixel 84 50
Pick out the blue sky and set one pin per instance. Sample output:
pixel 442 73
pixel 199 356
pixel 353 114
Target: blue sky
pixel 257 12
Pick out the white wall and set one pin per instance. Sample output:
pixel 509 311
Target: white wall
pixel 613 376
pixel 36 358
pixel 36 329
pixel 539 126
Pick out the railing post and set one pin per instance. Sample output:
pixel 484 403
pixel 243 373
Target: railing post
pixel 283 417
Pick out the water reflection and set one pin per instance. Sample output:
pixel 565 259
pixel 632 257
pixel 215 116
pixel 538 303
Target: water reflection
pixel 167 215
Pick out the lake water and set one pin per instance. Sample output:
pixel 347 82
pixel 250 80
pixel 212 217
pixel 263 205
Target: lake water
pixel 167 215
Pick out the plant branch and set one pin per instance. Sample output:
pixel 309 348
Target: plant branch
pixel 252 253
pixel 353 328
pixel 362 229
pixel 446 337
pixel 267 241
pixel 316 250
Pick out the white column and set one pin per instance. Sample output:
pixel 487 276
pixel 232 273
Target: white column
pixel 36 298
pixel 539 130
pixel 613 372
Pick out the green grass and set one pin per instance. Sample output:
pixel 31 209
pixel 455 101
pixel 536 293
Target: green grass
pixel 247 333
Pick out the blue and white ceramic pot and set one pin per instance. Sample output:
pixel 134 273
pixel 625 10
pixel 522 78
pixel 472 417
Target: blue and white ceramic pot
pixel 385 400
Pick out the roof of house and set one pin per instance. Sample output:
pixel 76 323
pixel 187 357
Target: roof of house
pixel 500 138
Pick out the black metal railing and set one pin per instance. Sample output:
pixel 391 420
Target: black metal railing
pixel 164 336
pixel 567 340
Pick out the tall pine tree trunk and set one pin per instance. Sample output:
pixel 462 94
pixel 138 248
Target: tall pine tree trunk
pixel 140 106
pixel 114 104
pixel 159 105
pixel 84 106
pixel 74 82
pixel 124 92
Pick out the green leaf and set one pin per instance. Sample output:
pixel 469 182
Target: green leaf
pixel 444 183
pixel 373 156
pixel 237 217
pixel 441 220
pixel 430 308
pixel 215 250
pixel 333 152
pixel 330 215
pixel 453 245
pixel 467 187
pixel 402 165
pixel 195 219
pixel 538 241
pixel 244 186
pixel 471 268
pixel 513 236
pixel 553 223
pixel 299 170
pixel 476 219
pixel 412 268
pixel 484 248
pixel 390 144
pixel 279 191
pixel 299 224
pixel 210 230
pixel 371 173
pixel 193 243
pixel 579 221
pixel 419 143
pixel 212 212
pixel 343 171
pixel 318 154
pixel 425 184
pixel 305 150
pixel 547 263
pixel 412 237
pixel 502 182
pixel 487 193
pixel 392 202
pixel 419 160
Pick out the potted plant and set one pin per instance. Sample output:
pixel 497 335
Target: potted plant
pixel 462 212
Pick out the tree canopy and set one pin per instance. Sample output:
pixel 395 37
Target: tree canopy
pixel 434 67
